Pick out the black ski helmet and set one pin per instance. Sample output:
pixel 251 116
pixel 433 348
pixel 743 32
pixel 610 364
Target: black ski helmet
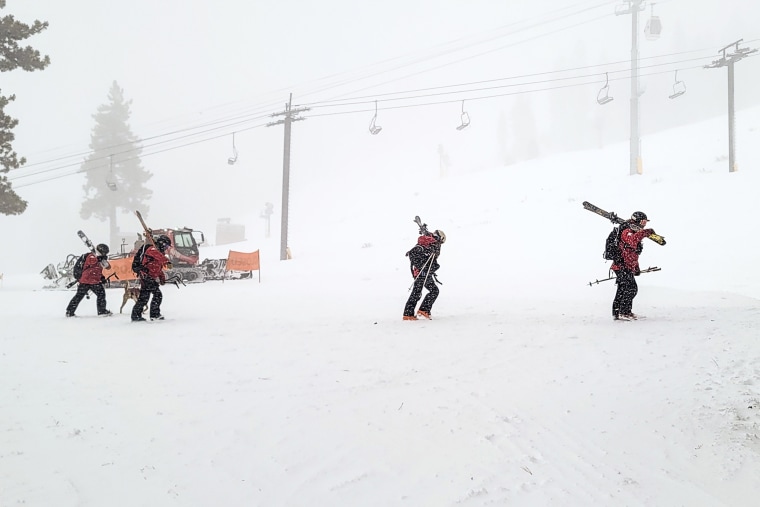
pixel 638 216
pixel 163 242
pixel 102 249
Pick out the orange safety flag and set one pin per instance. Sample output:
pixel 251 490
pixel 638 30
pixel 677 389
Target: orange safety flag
pixel 122 268
pixel 241 261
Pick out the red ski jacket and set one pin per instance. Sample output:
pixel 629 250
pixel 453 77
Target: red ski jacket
pixel 155 261
pixel 92 271
pixel 629 246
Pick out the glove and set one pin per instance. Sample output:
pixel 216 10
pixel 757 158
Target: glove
pixel 613 217
pixel 103 279
pixel 415 272
pixel 649 231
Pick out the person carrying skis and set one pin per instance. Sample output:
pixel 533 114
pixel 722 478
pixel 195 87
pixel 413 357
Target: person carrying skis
pixel 424 263
pixel 92 279
pixel 152 277
pixel 626 268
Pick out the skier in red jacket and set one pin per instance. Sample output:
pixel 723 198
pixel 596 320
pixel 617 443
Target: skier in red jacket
pixel 152 277
pixel 630 248
pixel 92 279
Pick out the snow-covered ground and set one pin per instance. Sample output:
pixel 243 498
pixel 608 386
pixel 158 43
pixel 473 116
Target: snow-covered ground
pixel 308 389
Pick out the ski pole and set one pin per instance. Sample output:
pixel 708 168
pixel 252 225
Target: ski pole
pixel 107 282
pixel 428 271
pixel 421 270
pixel 648 270
pixel 176 280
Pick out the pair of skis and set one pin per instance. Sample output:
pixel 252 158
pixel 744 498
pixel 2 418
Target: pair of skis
pixel 612 217
pixel 148 232
pixel 104 263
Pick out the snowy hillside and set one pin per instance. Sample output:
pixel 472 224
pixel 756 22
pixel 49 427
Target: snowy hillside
pixel 308 389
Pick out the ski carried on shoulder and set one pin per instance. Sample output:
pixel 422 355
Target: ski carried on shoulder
pixel 104 263
pixel 423 227
pixel 148 231
pixel 176 279
pixel 612 217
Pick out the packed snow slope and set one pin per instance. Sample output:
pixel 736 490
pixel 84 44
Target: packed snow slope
pixel 308 389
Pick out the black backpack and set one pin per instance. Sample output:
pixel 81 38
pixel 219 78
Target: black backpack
pixel 137 260
pixel 79 266
pixel 612 246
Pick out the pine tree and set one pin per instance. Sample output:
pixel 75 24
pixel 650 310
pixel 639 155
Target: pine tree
pixel 13 56
pixel 115 178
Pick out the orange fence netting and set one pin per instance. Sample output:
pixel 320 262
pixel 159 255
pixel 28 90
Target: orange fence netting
pixel 122 268
pixel 241 261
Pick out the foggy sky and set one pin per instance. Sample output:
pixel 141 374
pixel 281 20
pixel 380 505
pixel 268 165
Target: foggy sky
pixel 185 64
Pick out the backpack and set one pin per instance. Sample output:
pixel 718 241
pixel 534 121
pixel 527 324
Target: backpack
pixel 137 260
pixel 612 246
pixel 79 267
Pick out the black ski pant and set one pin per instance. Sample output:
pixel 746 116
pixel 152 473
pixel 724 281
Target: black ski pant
pixel 421 281
pixel 82 290
pixel 627 288
pixel 148 287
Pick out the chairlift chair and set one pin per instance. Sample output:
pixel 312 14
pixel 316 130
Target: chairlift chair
pixel 465 119
pixel 622 9
pixel 110 178
pixel 603 97
pixel 679 88
pixel 233 158
pixel 374 129
pixel 653 28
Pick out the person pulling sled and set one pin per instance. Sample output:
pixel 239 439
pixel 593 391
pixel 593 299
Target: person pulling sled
pixel 423 259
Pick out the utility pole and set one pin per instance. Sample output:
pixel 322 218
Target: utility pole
pixel 728 60
pixel 287 120
pixel 633 8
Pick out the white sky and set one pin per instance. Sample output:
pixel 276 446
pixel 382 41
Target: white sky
pixel 308 388
pixel 185 64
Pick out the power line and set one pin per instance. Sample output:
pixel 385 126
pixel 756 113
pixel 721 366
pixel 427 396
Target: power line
pixel 491 96
pixel 416 97
pixel 379 97
pixel 228 123
pixel 536 21
pixel 143 155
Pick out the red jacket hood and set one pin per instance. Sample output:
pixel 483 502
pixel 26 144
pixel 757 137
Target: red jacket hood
pixel 425 240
